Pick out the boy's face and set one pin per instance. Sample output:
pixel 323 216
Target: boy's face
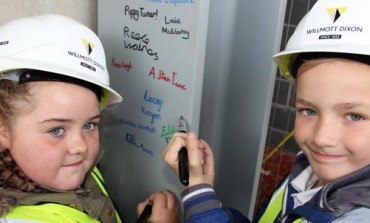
pixel 332 124
pixel 57 142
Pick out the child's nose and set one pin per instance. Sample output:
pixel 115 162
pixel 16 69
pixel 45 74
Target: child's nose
pixel 78 144
pixel 326 133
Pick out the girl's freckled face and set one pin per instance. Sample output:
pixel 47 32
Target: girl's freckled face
pixel 57 142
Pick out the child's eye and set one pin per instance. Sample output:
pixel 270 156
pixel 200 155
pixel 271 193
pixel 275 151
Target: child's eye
pixel 354 117
pixel 90 126
pixel 56 131
pixel 307 111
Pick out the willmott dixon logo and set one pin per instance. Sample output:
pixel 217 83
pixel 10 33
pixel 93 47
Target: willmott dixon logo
pixel 334 32
pixel 335 13
pixel 89 46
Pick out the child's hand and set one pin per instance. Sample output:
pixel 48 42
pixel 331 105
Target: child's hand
pixel 164 210
pixel 201 161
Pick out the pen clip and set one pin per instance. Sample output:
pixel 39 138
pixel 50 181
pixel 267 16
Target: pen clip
pixel 183 125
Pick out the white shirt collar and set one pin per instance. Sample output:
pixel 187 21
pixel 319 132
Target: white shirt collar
pixel 303 183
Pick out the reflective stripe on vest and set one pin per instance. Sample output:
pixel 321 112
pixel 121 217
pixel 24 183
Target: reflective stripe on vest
pixel 274 207
pixel 50 213
pixel 55 213
pixel 99 180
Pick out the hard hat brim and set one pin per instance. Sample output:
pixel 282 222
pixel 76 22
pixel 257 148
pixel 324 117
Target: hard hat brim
pixel 7 64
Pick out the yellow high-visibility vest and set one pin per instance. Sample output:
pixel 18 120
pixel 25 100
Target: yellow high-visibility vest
pixel 275 206
pixel 56 213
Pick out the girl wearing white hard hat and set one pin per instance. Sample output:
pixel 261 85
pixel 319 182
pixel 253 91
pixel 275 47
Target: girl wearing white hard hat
pixel 53 85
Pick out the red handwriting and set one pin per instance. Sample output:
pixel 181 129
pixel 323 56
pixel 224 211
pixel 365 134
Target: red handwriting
pixel 123 65
pixel 162 76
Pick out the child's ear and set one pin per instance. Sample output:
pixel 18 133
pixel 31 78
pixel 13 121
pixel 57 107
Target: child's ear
pixel 4 137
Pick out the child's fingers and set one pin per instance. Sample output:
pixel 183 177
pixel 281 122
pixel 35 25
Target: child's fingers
pixel 165 208
pixel 170 154
pixel 208 166
pixel 195 160
pixel 140 207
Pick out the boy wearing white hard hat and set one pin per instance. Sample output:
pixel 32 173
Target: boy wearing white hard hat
pixel 329 57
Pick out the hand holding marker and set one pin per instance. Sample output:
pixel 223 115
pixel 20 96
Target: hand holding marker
pixel 143 218
pixel 183 156
pixel 183 172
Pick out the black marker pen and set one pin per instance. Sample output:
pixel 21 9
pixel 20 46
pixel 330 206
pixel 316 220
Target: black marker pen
pixel 143 218
pixel 183 156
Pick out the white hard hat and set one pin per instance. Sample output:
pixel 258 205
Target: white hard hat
pixel 332 26
pixel 56 44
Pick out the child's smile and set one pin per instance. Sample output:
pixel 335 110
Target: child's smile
pixel 333 117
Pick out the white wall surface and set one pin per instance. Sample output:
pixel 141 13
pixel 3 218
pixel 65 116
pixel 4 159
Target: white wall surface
pixel 84 11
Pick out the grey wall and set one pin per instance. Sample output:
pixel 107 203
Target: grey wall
pixel 237 92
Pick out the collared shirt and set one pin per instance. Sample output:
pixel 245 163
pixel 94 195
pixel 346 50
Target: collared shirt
pixel 304 183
